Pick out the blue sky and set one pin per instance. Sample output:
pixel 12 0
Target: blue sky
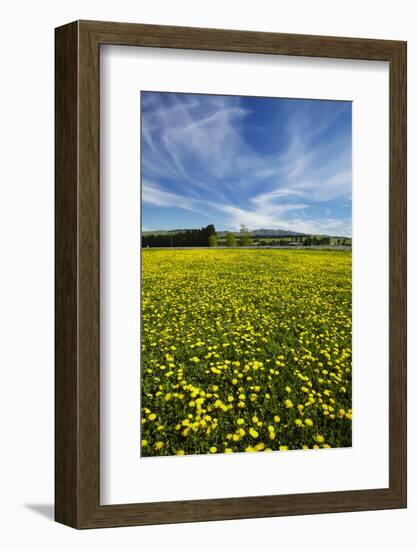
pixel 265 162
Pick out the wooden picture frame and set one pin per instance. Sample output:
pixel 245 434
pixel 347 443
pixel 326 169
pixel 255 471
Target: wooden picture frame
pixel 77 382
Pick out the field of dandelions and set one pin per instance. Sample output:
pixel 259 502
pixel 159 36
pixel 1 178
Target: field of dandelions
pixel 245 351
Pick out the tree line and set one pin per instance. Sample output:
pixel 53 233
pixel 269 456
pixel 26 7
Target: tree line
pixel 316 241
pixel 188 237
pixel 302 241
pixel 207 236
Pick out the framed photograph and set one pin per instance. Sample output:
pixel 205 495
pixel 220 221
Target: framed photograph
pixel 230 274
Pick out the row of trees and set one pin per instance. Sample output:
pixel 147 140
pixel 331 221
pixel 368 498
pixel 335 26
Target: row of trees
pixel 207 236
pixel 244 238
pixel 188 237
pixel 304 241
pixel 312 241
pixel 316 241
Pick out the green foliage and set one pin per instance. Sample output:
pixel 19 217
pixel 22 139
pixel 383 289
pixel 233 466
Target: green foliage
pixel 230 239
pixel 178 238
pixel 212 240
pixel 245 237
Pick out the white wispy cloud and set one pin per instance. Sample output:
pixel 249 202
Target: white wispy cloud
pixel 152 194
pixel 195 157
pixel 265 213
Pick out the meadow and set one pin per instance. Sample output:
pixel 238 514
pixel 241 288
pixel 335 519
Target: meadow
pixel 245 351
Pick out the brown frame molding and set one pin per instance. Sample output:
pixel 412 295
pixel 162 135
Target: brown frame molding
pixel 77 359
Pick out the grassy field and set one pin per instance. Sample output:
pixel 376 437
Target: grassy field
pixel 245 350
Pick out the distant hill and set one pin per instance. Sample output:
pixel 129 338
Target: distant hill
pixel 276 233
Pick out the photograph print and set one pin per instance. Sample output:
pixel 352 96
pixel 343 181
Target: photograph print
pixel 246 274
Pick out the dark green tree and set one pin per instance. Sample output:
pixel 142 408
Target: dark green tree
pixel 182 237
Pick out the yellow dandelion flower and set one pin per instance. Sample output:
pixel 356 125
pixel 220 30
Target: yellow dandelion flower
pixel 253 433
